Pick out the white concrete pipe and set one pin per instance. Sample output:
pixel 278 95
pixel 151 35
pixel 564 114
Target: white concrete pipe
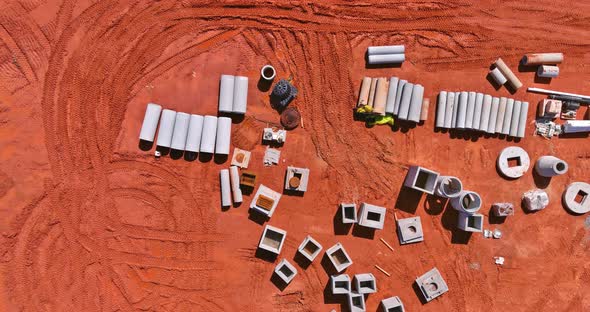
pixel 391 95
pixel 547 71
pixel 392 49
pixel 166 128
pixel 477 111
pixel 208 135
pixel 372 92
pixel 448 187
pixel 576 126
pixel 515 118
pixel 467 202
pixel 493 115
pixel 440 109
pixel 364 93
pixel 416 103
pixel 470 110
pixel 524 110
pixel 497 76
pixel 449 110
pixel 225 188
pixel 455 110
pixel 398 95
pixel 380 96
pixel 223 136
pixel 268 73
pixel 542 58
pixel 180 131
pixel 549 166
pixel 386 58
pixel 195 130
pixel 501 113
pixel 510 76
pixel 462 109
pixel 404 106
pixel 240 100
pixel 486 110
pixel 226 93
pixel 234 175
pixel 150 122
pixel 508 117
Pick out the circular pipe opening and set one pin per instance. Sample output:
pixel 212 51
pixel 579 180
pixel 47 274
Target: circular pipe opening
pixel 471 202
pixel 452 186
pixel 268 72
pixel 560 167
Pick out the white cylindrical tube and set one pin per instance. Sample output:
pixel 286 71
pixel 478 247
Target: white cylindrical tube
pixel 380 96
pixel 234 175
pixel 416 103
pixel 268 73
pixel 501 113
pixel 150 122
pixel 398 96
pixel 448 186
pixel 508 116
pixel 440 109
pixel 226 93
pixel 240 101
pixel 449 109
pixel 477 111
pixel 393 49
pixel 470 110
pixel 166 128
pixel 223 136
pixel 524 110
pixel 208 135
pixel 493 115
pixel 455 110
pixel 467 202
pixel 486 109
pixel 424 110
pixel 462 109
pixel 372 92
pixel 391 95
pixel 549 166
pixel 542 58
pixel 386 58
pixel 195 129
pixel 498 77
pixel 547 71
pixel 225 188
pixel 404 106
pixel 510 76
pixel 364 93
pixel 180 131
pixel 515 119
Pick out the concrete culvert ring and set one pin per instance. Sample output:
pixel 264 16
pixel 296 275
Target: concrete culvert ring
pixel 448 187
pixel 513 162
pixel 468 202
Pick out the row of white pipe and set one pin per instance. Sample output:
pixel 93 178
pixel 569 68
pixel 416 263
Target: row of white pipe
pixel 184 132
pixel 386 54
pixel 397 97
pixel 233 94
pixel 229 178
pixel 471 110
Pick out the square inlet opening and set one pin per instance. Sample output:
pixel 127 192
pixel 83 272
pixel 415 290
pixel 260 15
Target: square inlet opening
pixel 367 284
pixel 358 302
pixel 474 222
pixel 285 270
pixel 373 216
pixel 349 212
pixel 581 197
pixel 425 180
pixel 514 162
pixel 272 239
pixel 339 257
pixel 342 285
pixel 395 309
pixel 310 248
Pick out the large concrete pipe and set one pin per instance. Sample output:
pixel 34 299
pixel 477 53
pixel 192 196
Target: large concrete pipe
pixel 180 131
pixel 226 93
pixel 386 58
pixel 404 106
pixel 380 96
pixel 470 110
pixel 225 188
pixel 455 110
pixel 542 58
pixel 524 110
pixel 449 109
pixel 448 187
pixel 150 122
pixel 477 111
pixel 398 96
pixel 416 103
pixel 166 128
pixel 493 115
pixel 364 93
pixel 440 109
pixel 547 71
pixel 240 101
pixel 512 79
pixel 462 109
pixel 234 175
pixel 223 136
pixel 508 117
pixel 391 95
pixel 515 119
pixel 549 166
pixel 486 110
pixel 392 49
pixel 501 113
pixel 467 202
pixel 195 130
pixel 209 133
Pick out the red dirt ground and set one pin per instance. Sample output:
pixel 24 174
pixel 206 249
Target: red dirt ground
pixel 90 222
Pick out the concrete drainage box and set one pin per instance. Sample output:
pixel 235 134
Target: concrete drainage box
pixel 339 257
pixel 286 271
pixel 348 213
pixel 470 223
pixel 272 239
pixel 356 302
pixel 265 201
pixel 421 179
pixel 365 283
pixel 296 179
pixel 372 216
pixel 432 284
pixel 340 284
pixel 409 230
pixel 392 304
pixel 310 248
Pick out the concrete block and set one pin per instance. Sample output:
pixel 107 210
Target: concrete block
pixel 549 166
pixel 339 257
pixel 340 284
pixel 356 302
pixel 421 179
pixel 513 162
pixel 372 216
pixel 265 200
pixel 503 209
pixel 467 202
pixel 535 200
pixel 409 230
pixel 296 179
pixel 576 199
pixel 349 214
pixel 470 223
pixel 286 271
pixel 272 239
pixel 365 283
pixel 448 187
pixel 392 304
pixel 310 248
pixel 240 158
pixel 432 284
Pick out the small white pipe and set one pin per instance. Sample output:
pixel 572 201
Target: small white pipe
pixel 449 109
pixel 398 96
pixel 508 117
pixel 576 126
pixel 268 72
pixel 486 109
pixel 404 107
pixel 392 49
pixel 524 110
pixel 195 130
pixel 493 115
pixel 180 131
pixel 234 175
pixel 416 103
pixel 462 109
pixel 166 128
pixel 501 113
pixel 549 166
pixel 225 188
pixel 498 77
pixel 440 109
pixel 515 118
pixel 391 95
pixel 208 135
pixel 240 100
pixel 223 136
pixel 226 93
pixel 150 122
pixel 546 71
pixel 470 110
pixel 386 58
pixel 477 111
pixel 542 58
pixel 545 91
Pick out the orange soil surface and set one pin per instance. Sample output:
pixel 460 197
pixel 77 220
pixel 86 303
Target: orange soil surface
pixel 90 222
